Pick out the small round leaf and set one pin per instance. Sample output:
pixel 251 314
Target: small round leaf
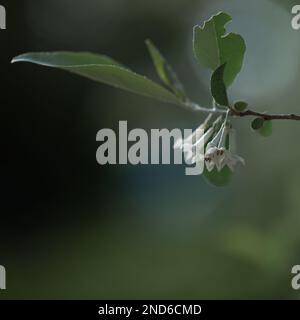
pixel 240 106
pixel 267 129
pixel 257 123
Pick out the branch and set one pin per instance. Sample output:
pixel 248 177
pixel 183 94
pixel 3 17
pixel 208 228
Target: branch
pixel 266 116
pixel 247 113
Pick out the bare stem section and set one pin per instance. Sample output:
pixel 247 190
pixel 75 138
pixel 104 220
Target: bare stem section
pixel 266 116
pixel 247 113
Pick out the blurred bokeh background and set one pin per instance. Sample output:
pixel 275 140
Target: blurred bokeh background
pixel 73 229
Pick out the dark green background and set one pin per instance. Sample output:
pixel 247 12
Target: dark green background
pixel 73 229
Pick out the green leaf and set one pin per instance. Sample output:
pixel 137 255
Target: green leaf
pixel 240 106
pixel 101 69
pixel 257 123
pixel 218 88
pixel 212 47
pixel 165 71
pixel 218 179
pixel 65 58
pixel 267 129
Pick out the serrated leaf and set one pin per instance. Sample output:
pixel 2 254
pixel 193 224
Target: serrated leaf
pixel 101 69
pixel 165 71
pixel 212 47
pixel 218 179
pixel 267 129
pixel 240 106
pixel 257 123
pixel 218 88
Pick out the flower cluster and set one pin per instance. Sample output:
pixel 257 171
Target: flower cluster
pixel 219 145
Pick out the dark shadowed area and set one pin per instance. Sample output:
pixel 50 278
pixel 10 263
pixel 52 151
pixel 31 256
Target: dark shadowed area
pixel 72 229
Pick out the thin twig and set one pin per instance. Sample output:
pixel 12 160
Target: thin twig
pixel 266 116
pixel 247 113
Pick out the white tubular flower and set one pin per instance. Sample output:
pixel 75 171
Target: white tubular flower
pixel 214 155
pixel 195 152
pixel 231 159
pixel 210 158
pixel 217 155
pixel 214 143
pixel 191 139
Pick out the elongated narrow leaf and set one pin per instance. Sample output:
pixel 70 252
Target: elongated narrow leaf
pixel 165 71
pixel 212 47
pixel 65 58
pixel 101 69
pixel 218 88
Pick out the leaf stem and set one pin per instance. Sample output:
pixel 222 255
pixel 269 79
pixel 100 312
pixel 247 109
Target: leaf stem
pixel 196 107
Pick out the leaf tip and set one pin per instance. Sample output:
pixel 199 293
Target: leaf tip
pixel 14 59
pixel 148 41
pixel 19 58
